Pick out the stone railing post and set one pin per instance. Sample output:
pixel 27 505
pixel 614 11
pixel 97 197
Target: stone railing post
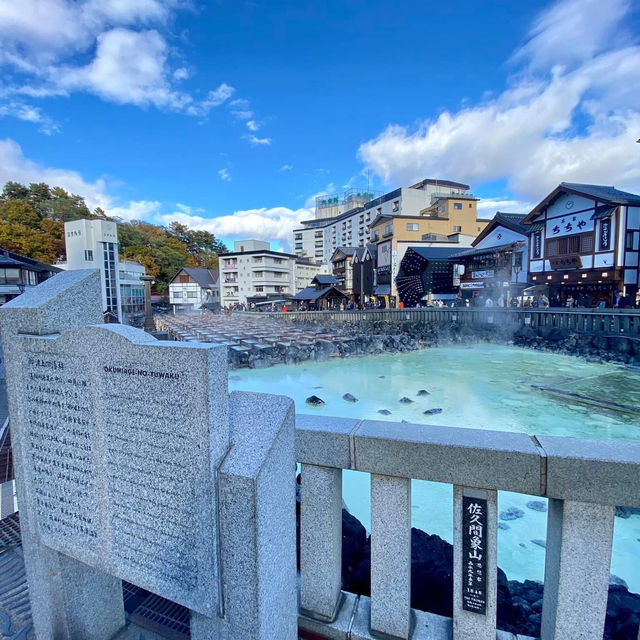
pixel 577 569
pixel 320 541
pixel 474 563
pixel 390 556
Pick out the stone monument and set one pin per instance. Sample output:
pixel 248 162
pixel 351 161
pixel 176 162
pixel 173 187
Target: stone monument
pixel 134 463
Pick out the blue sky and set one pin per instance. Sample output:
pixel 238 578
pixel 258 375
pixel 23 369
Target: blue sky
pixel 231 116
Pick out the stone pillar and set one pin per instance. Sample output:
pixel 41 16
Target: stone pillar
pixel 320 541
pixel 6 499
pixel 390 556
pixel 470 624
pixel 69 600
pixel 149 325
pixel 577 570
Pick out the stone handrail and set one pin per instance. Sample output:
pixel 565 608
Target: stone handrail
pixel 583 480
pixel 598 321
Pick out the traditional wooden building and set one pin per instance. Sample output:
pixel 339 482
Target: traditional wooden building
pixel 364 272
pixel 322 293
pixel 18 273
pixel 342 268
pixel 584 244
pixel 496 266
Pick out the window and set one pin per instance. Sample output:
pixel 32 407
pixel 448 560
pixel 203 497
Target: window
pixel 259 289
pixel 412 226
pixel 379 210
pixel 628 240
pixel 298 245
pixel 177 294
pixel 396 205
pixel 457 205
pixel 88 255
pixel 470 205
pixel 192 294
pixel 298 236
pixel 569 245
pixel 457 229
pixel 388 229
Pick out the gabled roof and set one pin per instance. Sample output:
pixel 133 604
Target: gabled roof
pixel 312 294
pixel 382 216
pixel 600 193
pixel 372 250
pixel 359 254
pixel 325 278
pixel 345 251
pixel 436 182
pixel 511 221
pixel 10 259
pixel 204 277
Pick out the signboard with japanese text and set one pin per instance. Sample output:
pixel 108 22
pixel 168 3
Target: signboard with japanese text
pixel 537 244
pixel 472 285
pixel 565 262
pixel 605 235
pixel 384 254
pixel 487 273
pixel 569 224
pixel 474 555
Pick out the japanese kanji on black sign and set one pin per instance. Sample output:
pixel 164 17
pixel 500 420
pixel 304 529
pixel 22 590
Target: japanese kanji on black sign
pixel 474 554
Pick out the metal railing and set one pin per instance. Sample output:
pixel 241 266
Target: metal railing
pixel 597 321
pixel 583 480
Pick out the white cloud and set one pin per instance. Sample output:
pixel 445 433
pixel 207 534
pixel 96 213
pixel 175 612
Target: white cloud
pixel 286 167
pixel 255 141
pixel 136 210
pixel 574 31
pixel 487 207
pixel 130 61
pixel 15 166
pixel 252 125
pixel 224 175
pixel 533 134
pixel 275 223
pixel 29 113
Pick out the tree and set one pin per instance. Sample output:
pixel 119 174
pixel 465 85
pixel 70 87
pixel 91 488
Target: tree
pixel 14 191
pixel 20 212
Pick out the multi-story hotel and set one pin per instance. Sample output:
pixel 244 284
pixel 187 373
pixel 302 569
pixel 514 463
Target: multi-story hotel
pixel 344 221
pixel 253 273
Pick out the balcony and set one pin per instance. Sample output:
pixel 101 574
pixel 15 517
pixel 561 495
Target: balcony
pixel 230 267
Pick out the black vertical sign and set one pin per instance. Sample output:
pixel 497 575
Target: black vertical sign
pixel 474 555
pixel 605 234
pixel 537 244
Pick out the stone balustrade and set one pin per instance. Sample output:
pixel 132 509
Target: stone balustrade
pixel 583 480
pixel 595 321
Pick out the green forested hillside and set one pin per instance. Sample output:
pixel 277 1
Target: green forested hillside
pixel 32 224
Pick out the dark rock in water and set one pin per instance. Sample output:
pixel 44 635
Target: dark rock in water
pixel 537 505
pixel 381 376
pixel 432 412
pixel 235 377
pixel 503 525
pixel 512 513
pixel 523 545
pixel 314 401
pixel 320 387
pixel 540 543
pixel 405 421
pixel 422 392
pixel 618 581
pixel 406 400
pixel 384 412
pixel 349 398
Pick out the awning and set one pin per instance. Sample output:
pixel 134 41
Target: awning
pixel 9 288
pixel 382 290
pixel 603 212
pixel 536 226
pixel 536 288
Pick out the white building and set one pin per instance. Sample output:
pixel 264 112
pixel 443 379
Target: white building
pixel 93 244
pixel 190 288
pixel 254 273
pixel 131 288
pixel 344 220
